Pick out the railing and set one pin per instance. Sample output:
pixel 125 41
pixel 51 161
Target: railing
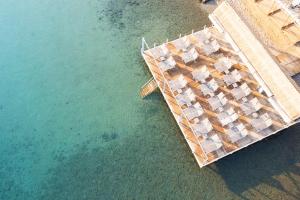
pixel 165 82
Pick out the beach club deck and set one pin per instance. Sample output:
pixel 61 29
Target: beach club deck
pixel 220 92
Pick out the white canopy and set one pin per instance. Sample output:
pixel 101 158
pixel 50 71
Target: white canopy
pixel 228 116
pixel 186 97
pixel 182 43
pixel 193 111
pixel 233 77
pixel 203 36
pixel 237 132
pixel 241 92
pixel 201 74
pixel 167 64
pixel 295 3
pixel 160 52
pixel 211 47
pixel 217 101
pixel 211 144
pixel 179 83
pixel 203 127
pixel 224 64
pixel 190 56
pixel 262 122
pixel 251 106
pixel 209 87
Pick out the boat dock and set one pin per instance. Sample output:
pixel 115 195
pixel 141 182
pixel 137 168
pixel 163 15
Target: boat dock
pixel 219 87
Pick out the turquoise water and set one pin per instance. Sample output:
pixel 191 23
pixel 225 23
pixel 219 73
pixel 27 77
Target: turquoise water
pixel 72 125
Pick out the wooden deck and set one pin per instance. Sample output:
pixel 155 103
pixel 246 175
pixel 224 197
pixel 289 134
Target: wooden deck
pixel 163 78
pixel 282 87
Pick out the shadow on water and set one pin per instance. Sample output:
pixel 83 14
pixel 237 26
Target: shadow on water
pixel 155 163
pixel 259 163
pixel 125 169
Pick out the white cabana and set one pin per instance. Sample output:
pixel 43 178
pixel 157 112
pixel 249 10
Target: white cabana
pixel 202 128
pixel 209 87
pixel 251 106
pixel 193 111
pixel 228 116
pixel 190 56
pixel 187 97
pixel 211 47
pixel 201 74
pixel 224 64
pixel 179 83
pixel 262 122
pixel 160 52
pixel 241 92
pixel 211 144
pixel 237 132
pixel 233 77
pixel 217 101
pixel 167 64
pixel 182 44
pixel 203 36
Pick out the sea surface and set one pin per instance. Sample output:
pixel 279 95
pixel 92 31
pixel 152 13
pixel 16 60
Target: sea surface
pixel 72 124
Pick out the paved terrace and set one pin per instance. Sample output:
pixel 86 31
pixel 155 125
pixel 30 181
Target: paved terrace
pixel 184 69
pixel 275 27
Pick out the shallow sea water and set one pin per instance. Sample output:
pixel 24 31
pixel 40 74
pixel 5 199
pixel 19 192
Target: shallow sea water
pixel 72 125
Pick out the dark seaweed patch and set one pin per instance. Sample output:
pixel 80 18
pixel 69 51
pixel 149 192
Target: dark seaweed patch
pixel 107 137
pixel 115 12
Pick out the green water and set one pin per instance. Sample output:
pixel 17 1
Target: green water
pixel 72 125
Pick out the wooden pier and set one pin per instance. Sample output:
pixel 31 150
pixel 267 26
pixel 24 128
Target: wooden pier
pixel 148 88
